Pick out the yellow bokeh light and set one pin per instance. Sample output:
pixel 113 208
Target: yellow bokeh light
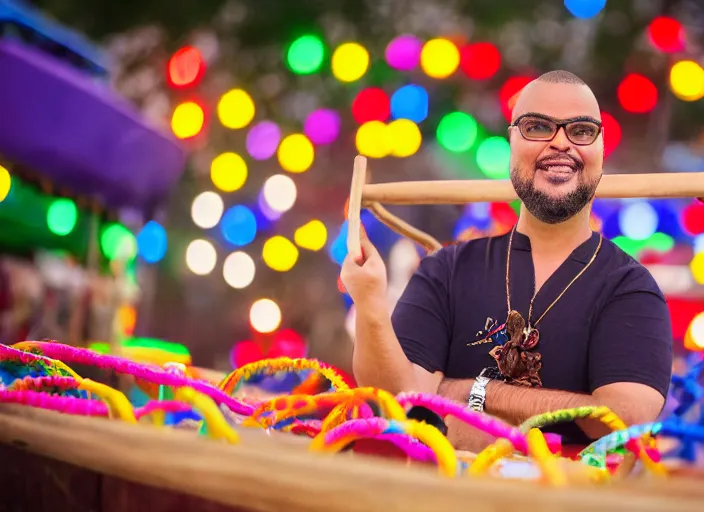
pixel 5 183
pixel 236 109
pixel 279 253
pixel 405 137
pixel 311 236
pixel 187 120
pixel 296 153
pixel 687 80
pixel 694 337
pixel 374 139
pixel 349 62
pixel 228 172
pixel 697 267
pixel 439 58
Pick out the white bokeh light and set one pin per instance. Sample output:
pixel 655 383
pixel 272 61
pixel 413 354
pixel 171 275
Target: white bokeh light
pixel 238 270
pixel 201 257
pixel 207 209
pixel 279 192
pixel 265 316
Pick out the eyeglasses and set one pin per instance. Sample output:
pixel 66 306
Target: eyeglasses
pixel 581 131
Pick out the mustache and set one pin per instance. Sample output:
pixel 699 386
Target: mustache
pixel 578 164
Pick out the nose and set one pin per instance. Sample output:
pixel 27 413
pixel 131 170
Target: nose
pixel 560 142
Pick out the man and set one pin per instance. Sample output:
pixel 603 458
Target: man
pixel 588 325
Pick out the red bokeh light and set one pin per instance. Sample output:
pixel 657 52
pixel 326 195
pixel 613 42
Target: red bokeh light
pixel 186 67
pixel 503 213
pixel 480 61
pixel 371 104
pixel 666 34
pixel 693 218
pixel 637 94
pixel 612 133
pixel 508 94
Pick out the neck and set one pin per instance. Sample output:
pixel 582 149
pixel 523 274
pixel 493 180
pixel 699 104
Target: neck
pixel 555 238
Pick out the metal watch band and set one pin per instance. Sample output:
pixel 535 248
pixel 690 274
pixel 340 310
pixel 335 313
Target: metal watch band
pixel 477 395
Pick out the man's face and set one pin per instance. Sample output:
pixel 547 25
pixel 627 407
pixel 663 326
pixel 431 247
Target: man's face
pixel 556 178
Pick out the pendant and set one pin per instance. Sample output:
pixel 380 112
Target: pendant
pixel 531 336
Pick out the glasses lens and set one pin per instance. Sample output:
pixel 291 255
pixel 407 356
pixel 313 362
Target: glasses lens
pixel 582 132
pixel 535 128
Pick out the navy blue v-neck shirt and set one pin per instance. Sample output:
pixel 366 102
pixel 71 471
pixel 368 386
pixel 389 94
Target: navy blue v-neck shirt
pixel 612 324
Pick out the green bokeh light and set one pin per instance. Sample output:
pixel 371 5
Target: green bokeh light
pixel 116 241
pixel 305 55
pixel 659 242
pixel 62 216
pixel 457 132
pixel 493 155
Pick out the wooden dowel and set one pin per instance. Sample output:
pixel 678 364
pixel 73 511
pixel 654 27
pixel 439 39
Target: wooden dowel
pixel 660 185
pixel 403 228
pixel 359 177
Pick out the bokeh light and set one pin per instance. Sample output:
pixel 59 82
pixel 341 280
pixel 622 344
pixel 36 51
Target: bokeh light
pixel 185 67
pixel 637 94
pixel 152 242
pixel 612 133
pixel 584 8
pixel 374 140
pixel 696 266
pixel 296 153
pixel 201 257
pixel 439 58
pixel 480 61
pixel 350 62
pixel 638 220
pixel 410 102
pixel 687 80
pixel 457 132
pixel 238 270
pixel 62 216
pixel 187 120
pixel 5 183
pixel 405 138
pixel 403 52
pixel 279 253
pixel 265 316
pixel 239 225
pixel 312 236
pixel 693 218
pixel 262 140
pixel 493 155
pixel 207 209
pixel 371 104
pixel 118 243
pixel 305 55
pixel 694 336
pixel 508 94
pixel 322 126
pixel 279 192
pixel 228 172
pixel 666 34
pixel 236 109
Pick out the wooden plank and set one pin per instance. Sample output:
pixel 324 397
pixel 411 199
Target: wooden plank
pixel 273 473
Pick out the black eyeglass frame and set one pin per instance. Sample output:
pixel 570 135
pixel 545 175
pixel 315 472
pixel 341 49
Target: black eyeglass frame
pixel 560 124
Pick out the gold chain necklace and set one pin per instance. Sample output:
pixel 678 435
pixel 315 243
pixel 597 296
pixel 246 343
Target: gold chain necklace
pixel 530 331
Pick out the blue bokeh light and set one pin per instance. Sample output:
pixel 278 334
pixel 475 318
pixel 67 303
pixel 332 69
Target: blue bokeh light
pixel 239 225
pixel 152 242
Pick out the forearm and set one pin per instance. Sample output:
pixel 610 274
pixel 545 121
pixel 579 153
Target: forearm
pixel 378 359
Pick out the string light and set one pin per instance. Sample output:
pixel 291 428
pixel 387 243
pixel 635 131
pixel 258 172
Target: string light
pixel 439 58
pixel 311 236
pixel 118 243
pixel 187 120
pixel 207 209
pixel 410 102
pixel 201 257
pixel 374 140
pixel 480 61
pixel 666 34
pixel 5 183
pixel 638 220
pixel 296 153
pixel 405 138
pixel 265 316
pixel 262 140
pixel 305 55
pixel 403 52
pixel 239 225
pixel 508 94
pixel 637 94
pixel 152 242
pixel 687 80
pixel 584 8
pixel 612 133
pixel 238 270
pixel 228 172
pixel 322 126
pixel 493 155
pixel 185 68
pixel 371 104
pixel 279 192
pixel 62 216
pixel 279 253
pixel 236 109
pixel 350 62
pixel 457 132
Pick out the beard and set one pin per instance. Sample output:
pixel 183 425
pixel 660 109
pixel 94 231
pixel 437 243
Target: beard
pixel 551 210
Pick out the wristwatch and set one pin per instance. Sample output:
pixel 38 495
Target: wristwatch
pixel 477 395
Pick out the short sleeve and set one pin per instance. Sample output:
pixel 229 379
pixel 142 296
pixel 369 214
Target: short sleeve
pixel 632 336
pixel 421 318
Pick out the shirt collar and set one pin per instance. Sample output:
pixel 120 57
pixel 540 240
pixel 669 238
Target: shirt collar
pixel 582 254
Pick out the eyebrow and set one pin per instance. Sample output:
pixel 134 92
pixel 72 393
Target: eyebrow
pixel 568 120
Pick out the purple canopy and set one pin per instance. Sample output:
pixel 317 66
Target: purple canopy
pixel 81 134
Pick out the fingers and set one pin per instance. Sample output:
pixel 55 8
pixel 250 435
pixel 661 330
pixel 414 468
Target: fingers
pixel 368 249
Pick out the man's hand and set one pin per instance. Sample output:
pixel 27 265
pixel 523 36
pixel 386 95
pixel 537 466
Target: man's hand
pixel 365 279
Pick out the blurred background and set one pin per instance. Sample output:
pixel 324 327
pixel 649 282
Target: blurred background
pixel 173 174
